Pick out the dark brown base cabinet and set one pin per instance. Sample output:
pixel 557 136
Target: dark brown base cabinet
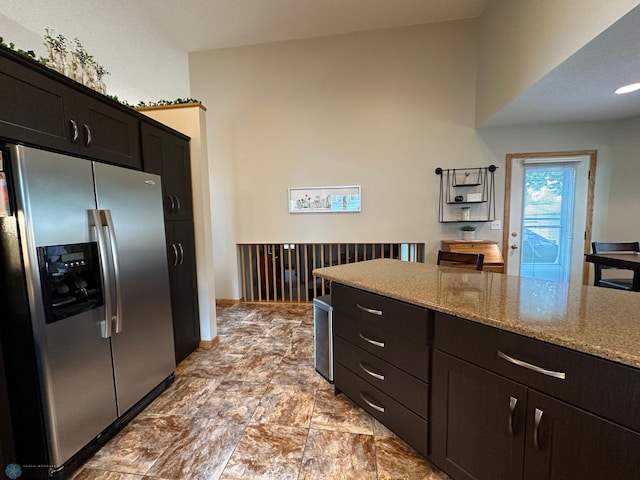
pixel 381 357
pixel 184 296
pixel 488 427
pixel 486 416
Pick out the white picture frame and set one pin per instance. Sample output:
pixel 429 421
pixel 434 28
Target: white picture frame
pixel 339 199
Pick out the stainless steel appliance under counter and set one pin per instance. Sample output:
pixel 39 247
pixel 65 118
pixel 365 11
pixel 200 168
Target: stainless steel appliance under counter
pixel 90 334
pixel 323 336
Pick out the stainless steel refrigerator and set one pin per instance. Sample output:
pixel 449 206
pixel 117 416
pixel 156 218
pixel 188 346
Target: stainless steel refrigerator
pixel 86 306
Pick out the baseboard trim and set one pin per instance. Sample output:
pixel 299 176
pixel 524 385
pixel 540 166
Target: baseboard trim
pixel 227 301
pixel 207 344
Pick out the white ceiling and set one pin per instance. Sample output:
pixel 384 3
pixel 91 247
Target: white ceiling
pixel 581 88
pixel 198 25
pixel 578 90
pixel 195 25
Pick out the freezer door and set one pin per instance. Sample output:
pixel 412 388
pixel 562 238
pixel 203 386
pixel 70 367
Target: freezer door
pixel 142 342
pixel 54 194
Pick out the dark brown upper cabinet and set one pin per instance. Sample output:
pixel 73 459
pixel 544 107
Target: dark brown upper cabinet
pixel 167 155
pixel 45 109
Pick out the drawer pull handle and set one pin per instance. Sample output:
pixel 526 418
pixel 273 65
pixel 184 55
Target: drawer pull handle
pixel 513 401
pixel 530 366
pixel 368 370
pixel 370 403
pixel 371 341
pixel 536 428
pixel 369 310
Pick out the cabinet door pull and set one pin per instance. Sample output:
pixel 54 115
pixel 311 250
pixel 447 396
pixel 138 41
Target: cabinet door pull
pixel 530 366
pixel 371 341
pixel 368 370
pixel 173 204
pixel 74 131
pixel 513 401
pixel 536 428
pixel 178 205
pixel 175 254
pixel 87 130
pixel 369 402
pixel 369 310
pixel 181 253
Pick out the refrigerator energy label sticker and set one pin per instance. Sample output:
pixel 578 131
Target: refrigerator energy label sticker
pixel 4 196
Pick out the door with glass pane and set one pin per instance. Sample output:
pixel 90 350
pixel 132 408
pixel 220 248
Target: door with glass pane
pixel 548 219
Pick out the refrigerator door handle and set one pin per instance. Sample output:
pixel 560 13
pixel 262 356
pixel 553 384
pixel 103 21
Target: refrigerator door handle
pixel 113 243
pixel 105 325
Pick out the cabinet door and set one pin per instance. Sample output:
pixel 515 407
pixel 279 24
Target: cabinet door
pixel 477 421
pixel 565 442
pixel 167 155
pixel 184 296
pixel 177 175
pixel 35 109
pixel 108 133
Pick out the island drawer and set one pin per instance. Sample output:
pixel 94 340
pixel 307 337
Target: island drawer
pixel 557 371
pixel 367 306
pixel 401 386
pixel 397 334
pixel 399 419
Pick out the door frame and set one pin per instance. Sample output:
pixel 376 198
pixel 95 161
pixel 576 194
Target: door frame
pixel 593 157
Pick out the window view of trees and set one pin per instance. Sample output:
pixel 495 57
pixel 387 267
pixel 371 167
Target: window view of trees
pixel 545 210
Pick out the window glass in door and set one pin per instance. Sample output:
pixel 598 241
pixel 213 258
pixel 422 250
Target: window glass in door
pixel 547 225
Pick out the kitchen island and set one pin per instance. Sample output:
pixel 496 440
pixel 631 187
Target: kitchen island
pixel 492 376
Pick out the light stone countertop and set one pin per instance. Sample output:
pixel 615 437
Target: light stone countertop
pixel 599 321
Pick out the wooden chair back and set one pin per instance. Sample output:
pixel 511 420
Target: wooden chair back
pixel 464 260
pixel 602 247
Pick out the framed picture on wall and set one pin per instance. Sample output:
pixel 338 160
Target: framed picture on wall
pixel 342 199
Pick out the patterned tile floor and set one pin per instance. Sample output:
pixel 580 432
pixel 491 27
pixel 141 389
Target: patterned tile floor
pixel 253 407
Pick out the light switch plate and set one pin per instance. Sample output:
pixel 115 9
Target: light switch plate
pixel 496 225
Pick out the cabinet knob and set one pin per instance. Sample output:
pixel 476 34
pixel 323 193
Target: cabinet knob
pixel 514 246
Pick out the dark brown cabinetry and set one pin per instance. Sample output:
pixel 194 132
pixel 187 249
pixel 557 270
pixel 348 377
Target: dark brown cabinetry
pixel 41 108
pixel 7 454
pixel 182 277
pixel 167 155
pixel 489 422
pixel 108 133
pixel 382 360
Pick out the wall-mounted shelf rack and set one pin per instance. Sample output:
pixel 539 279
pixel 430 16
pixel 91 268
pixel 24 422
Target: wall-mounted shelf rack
pixel 472 189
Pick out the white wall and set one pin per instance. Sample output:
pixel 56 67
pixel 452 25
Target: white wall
pixel 521 41
pixel 144 66
pixel 381 109
pixel 622 222
pixel 599 136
